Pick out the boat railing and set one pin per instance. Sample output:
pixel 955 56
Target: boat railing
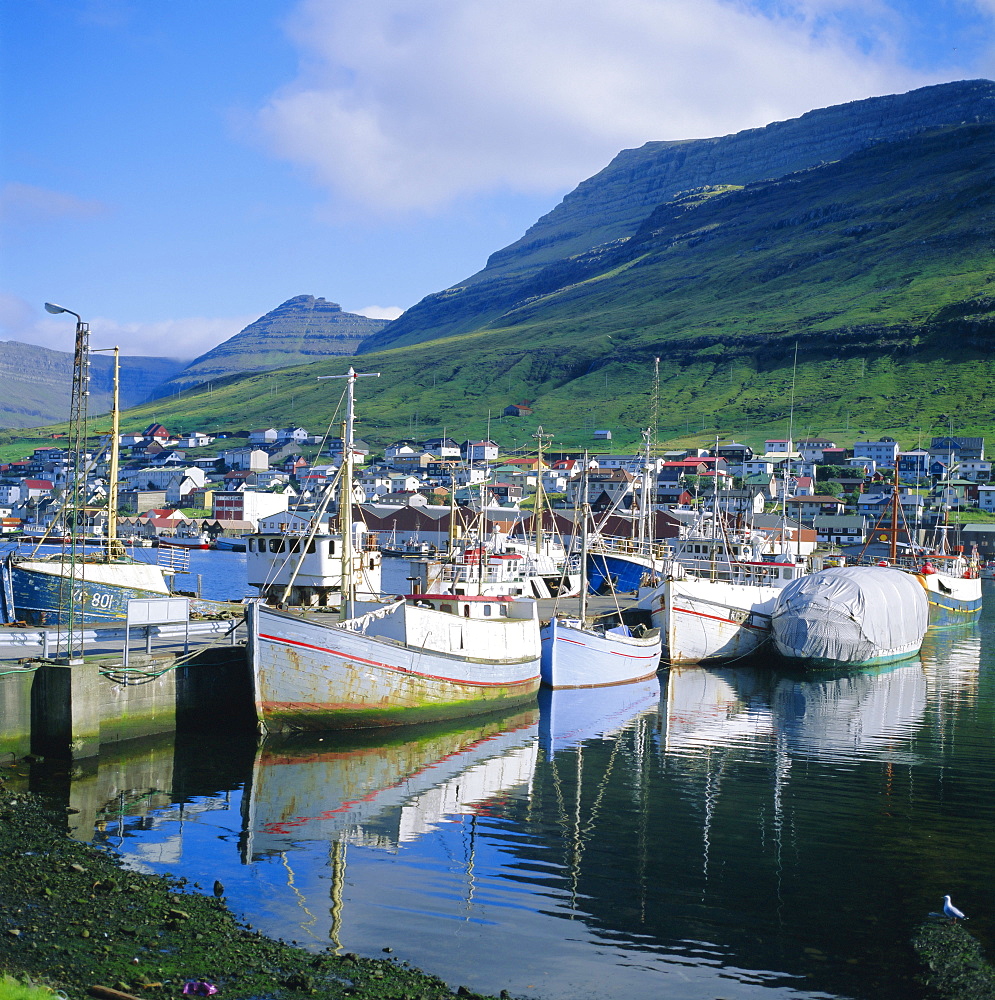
pixel 629 546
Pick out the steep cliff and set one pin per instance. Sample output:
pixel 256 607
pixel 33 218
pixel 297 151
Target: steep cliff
pixel 614 203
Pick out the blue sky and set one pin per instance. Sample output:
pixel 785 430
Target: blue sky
pixel 173 170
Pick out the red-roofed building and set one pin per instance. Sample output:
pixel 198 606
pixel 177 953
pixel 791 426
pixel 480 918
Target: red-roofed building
pixel 37 488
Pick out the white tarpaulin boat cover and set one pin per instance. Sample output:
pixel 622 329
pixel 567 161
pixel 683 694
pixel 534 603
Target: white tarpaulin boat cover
pixel 854 615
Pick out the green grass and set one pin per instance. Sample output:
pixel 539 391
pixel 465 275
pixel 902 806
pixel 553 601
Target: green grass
pixel 13 989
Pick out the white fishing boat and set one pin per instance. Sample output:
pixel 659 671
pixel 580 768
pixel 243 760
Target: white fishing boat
pixel 952 582
pixel 300 564
pixel 716 604
pixel 422 658
pixel 850 616
pixel 579 653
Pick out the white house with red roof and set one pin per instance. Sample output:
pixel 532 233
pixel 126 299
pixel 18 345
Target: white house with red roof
pixel 36 488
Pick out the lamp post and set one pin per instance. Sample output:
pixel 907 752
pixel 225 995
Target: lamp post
pixel 70 584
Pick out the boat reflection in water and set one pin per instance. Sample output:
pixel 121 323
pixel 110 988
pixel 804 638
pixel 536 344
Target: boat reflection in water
pixel 307 791
pixel 576 714
pixel 867 713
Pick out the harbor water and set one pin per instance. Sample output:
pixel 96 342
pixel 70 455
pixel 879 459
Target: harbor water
pixel 715 833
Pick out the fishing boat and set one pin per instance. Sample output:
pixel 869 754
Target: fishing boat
pixel 716 603
pixel 422 658
pixel 951 579
pixel 223 544
pixel 579 653
pixel 77 584
pixel 850 616
pixel 952 582
pixel 301 564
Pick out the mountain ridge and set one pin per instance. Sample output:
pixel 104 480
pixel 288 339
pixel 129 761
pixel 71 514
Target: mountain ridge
pixel 613 203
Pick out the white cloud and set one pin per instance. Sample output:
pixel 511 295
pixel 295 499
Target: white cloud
pixel 26 204
pixel 378 312
pixel 413 106
pixel 174 338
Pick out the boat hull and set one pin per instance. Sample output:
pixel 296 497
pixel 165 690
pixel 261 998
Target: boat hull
pixel 712 621
pixel 952 599
pixel 576 657
pixel 621 572
pixel 309 675
pixel 43 590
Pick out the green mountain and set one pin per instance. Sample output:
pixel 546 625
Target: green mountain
pixel 299 330
pixel 612 205
pixel 851 294
pixel 35 382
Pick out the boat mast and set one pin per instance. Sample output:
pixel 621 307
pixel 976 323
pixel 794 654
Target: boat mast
pixel 76 488
pixel 538 508
pixel 114 547
pixel 893 552
pixel 348 586
pixel 645 535
pixel 585 513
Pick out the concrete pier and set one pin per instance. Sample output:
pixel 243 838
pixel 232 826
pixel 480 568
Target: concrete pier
pixel 71 712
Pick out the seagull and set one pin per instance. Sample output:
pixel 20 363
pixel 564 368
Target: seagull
pixel 951 911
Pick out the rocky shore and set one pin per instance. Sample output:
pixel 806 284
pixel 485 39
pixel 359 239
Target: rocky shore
pixel 73 918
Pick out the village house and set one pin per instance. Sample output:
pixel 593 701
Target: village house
pixel 735 454
pixel 195 439
pixel 913 465
pixel 605 488
pixel 266 436
pixel 883 453
pixel 777 446
pixel 479 451
pixel 840 529
pixel 246 505
pixel 813 449
pixel 805 508
pixel 252 459
pixel 33 488
pixel 444 447
pixel 295 435
pixel 10 493
pixel 957 449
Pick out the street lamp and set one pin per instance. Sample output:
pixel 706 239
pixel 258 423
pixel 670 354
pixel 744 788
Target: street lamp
pixel 53 308
pixel 71 589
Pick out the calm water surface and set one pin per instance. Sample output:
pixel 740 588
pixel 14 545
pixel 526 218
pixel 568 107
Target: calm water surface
pixel 719 834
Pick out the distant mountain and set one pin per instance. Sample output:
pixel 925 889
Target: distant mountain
pixel 302 329
pixel 36 383
pixel 612 205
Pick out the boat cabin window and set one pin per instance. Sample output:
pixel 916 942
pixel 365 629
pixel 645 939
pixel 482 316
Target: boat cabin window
pixel 331 548
pixel 448 608
pixel 466 610
pixel 487 611
pixel 275 545
pixel 252 545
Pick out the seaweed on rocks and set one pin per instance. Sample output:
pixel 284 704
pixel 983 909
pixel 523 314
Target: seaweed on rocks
pixel 73 917
pixel 957 968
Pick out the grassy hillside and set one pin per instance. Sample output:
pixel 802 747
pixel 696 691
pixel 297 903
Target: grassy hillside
pixel 878 267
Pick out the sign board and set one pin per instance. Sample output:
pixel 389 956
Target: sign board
pixel 158 610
